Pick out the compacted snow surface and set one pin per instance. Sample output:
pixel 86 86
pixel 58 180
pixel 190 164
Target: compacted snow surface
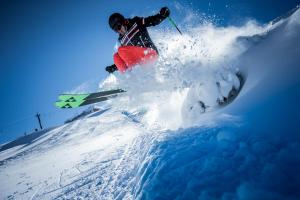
pixel 157 142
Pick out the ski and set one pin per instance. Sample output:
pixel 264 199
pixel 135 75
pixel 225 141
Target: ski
pixel 88 96
pixel 76 104
pixel 78 100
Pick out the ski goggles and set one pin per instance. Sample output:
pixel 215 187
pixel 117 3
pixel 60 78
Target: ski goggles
pixel 117 27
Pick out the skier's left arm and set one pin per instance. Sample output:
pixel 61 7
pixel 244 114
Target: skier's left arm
pixel 156 19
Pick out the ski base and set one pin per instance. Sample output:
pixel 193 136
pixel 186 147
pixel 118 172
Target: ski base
pixel 78 100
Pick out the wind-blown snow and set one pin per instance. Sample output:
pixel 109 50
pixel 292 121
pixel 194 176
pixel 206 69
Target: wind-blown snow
pixel 150 144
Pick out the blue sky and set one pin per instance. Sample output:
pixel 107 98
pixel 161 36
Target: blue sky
pixel 50 47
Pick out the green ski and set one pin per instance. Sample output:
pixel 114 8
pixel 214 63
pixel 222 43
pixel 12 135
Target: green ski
pixel 63 104
pixel 83 97
pixel 77 100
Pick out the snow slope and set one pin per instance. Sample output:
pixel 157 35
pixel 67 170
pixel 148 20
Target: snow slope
pixel 150 143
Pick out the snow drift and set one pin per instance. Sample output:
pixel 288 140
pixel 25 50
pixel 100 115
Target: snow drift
pixel 149 144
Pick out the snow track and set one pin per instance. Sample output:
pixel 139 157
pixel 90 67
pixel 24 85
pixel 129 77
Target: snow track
pixel 91 163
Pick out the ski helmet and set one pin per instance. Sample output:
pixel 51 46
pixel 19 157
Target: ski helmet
pixel 115 19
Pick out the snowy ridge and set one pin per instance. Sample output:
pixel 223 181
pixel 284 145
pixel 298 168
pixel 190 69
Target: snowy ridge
pixel 150 145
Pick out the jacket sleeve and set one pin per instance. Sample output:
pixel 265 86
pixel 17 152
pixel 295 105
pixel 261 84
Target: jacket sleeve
pixel 151 20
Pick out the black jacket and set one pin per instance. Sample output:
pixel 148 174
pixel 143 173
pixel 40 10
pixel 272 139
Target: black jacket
pixel 137 34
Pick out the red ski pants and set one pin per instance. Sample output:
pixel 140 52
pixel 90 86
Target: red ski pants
pixel 128 56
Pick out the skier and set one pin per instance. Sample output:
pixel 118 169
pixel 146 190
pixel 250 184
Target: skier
pixel 136 44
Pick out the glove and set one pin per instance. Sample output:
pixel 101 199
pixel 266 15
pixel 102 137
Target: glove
pixel 164 12
pixel 111 69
